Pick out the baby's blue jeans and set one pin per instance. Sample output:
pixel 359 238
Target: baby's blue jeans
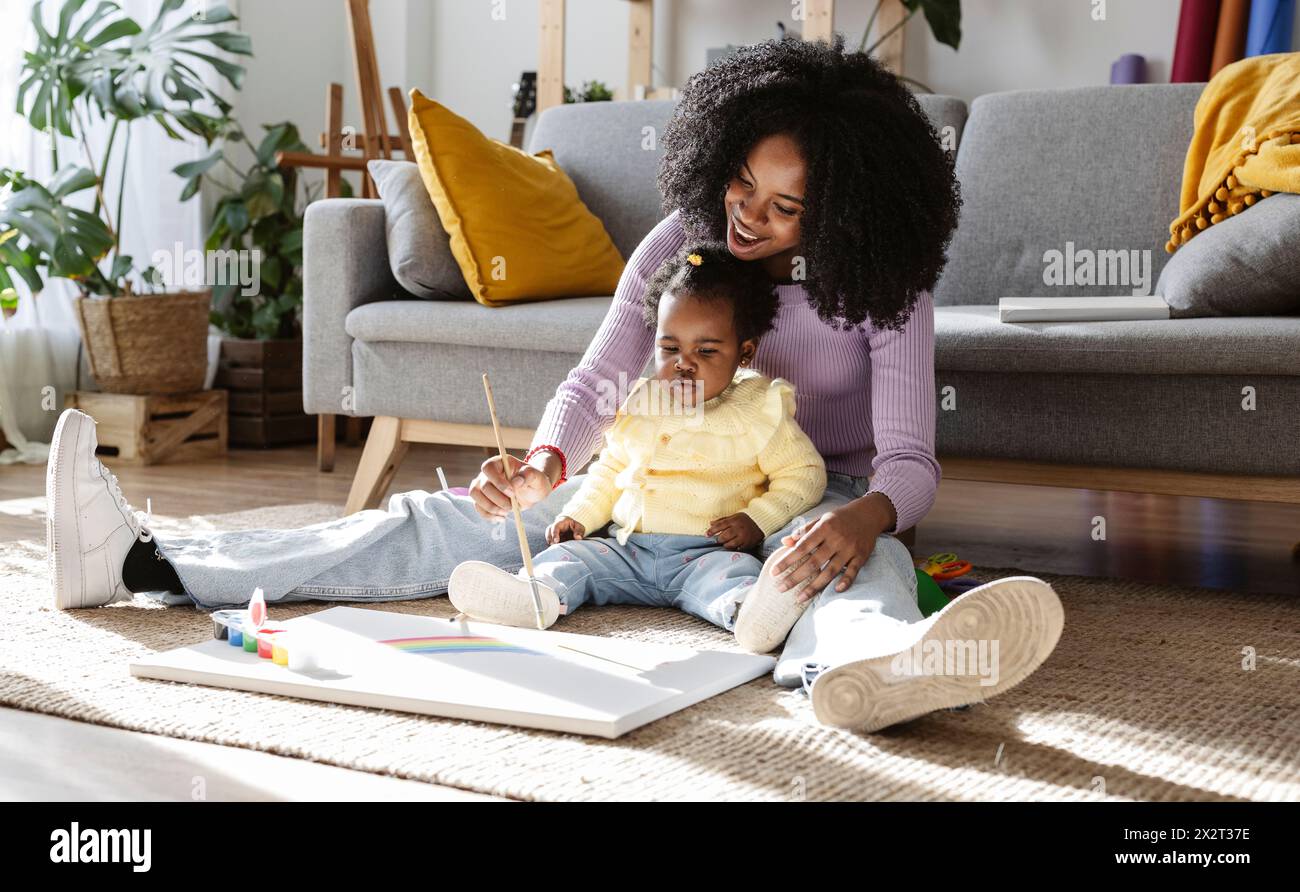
pixel 691 573
pixel 409 550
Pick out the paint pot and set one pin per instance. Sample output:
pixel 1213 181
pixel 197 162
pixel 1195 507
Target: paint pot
pixel 250 639
pixel 279 650
pixel 264 642
pixel 226 622
pixel 236 636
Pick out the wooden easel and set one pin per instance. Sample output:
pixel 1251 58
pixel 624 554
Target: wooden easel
pixel 819 24
pixel 640 54
pixel 374 142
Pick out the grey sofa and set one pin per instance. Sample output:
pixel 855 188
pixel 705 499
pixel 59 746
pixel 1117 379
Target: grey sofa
pixel 1142 406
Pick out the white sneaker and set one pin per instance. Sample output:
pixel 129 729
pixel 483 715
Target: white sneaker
pixel 1022 614
pixel 486 592
pixel 767 614
pixel 89 527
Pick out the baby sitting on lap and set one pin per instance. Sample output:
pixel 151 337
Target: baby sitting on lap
pixel 702 463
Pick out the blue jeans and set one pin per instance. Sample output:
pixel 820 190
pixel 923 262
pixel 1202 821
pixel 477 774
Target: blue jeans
pixel 691 573
pixel 409 550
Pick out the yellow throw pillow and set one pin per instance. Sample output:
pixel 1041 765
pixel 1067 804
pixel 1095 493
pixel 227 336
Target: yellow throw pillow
pixel 518 229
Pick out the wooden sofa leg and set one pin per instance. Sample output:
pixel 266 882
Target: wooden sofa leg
pixel 380 460
pixel 352 430
pixel 325 443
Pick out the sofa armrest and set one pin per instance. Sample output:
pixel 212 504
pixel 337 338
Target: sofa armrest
pixel 345 264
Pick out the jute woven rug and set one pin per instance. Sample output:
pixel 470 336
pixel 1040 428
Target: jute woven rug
pixel 1145 697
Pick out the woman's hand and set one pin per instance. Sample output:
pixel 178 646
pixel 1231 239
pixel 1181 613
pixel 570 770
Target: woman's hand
pixel 842 540
pixel 563 529
pixel 736 531
pixel 490 490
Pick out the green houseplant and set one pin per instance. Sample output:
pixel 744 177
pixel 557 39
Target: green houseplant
pixel 100 64
pixel 40 233
pixel 590 91
pixel 260 210
pixel 943 17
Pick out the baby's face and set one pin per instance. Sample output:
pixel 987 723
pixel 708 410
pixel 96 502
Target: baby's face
pixel 696 347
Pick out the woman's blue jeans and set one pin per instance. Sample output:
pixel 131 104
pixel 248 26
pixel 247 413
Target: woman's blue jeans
pixel 409 550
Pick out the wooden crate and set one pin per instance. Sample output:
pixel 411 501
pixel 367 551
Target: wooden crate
pixel 152 429
pixel 264 379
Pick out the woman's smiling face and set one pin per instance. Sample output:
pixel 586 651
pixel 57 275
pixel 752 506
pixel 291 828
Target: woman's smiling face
pixel 765 202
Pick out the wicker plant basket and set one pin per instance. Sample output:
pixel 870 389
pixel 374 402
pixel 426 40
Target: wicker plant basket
pixel 150 343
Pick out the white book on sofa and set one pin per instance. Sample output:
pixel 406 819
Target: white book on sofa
pixel 1082 309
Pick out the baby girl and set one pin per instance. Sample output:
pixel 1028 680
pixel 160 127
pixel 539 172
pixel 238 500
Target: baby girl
pixel 702 463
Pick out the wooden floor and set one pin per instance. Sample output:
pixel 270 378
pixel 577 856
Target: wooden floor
pixel 50 759
pixel 1245 546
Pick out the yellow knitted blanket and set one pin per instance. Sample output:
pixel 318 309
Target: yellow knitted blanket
pixel 1246 143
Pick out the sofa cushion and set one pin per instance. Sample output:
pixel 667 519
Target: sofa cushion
pixel 517 227
pixel 418 248
pixel 559 326
pixel 971 338
pixel 1248 264
pixel 1176 422
pixel 1099 167
pixel 611 152
pixel 947 114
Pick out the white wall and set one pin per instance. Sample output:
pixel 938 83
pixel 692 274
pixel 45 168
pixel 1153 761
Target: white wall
pixel 466 53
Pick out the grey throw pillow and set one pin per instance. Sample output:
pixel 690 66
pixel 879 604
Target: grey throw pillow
pixel 418 248
pixel 1246 265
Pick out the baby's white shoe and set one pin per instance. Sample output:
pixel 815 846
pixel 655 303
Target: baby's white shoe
pixel 767 614
pixel 89 527
pixel 485 592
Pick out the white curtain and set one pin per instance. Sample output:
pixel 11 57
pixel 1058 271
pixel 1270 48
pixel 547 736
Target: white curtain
pixel 40 356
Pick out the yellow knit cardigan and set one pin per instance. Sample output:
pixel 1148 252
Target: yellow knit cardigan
pixel 666 472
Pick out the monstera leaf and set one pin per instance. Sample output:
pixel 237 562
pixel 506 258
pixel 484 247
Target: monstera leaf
pixel 130 72
pixel 98 59
pixel 56 72
pixel 155 71
pixel 43 232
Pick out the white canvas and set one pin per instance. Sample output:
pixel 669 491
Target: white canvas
pixel 558 681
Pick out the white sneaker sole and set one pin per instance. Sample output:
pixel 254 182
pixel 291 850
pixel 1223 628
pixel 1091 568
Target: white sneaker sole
pixel 1022 613
pixel 61 502
pixel 767 614
pixel 488 593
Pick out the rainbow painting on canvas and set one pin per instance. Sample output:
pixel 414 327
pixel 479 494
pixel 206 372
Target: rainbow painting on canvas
pixel 456 644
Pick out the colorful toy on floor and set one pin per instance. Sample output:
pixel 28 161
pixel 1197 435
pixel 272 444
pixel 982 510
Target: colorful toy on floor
pixel 944 566
pixel 939 579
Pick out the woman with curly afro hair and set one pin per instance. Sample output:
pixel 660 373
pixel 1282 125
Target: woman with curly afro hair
pixel 820 167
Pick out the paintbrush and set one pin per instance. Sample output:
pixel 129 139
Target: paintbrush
pixel 514 505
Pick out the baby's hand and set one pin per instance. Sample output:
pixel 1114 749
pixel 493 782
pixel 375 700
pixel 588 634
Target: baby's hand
pixel 564 529
pixel 737 532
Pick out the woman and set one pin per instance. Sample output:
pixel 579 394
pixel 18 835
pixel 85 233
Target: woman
pixel 819 166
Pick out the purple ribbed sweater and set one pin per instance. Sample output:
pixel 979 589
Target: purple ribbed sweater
pixel 865 398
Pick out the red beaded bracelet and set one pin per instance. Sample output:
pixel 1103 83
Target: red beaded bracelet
pixel 564 462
